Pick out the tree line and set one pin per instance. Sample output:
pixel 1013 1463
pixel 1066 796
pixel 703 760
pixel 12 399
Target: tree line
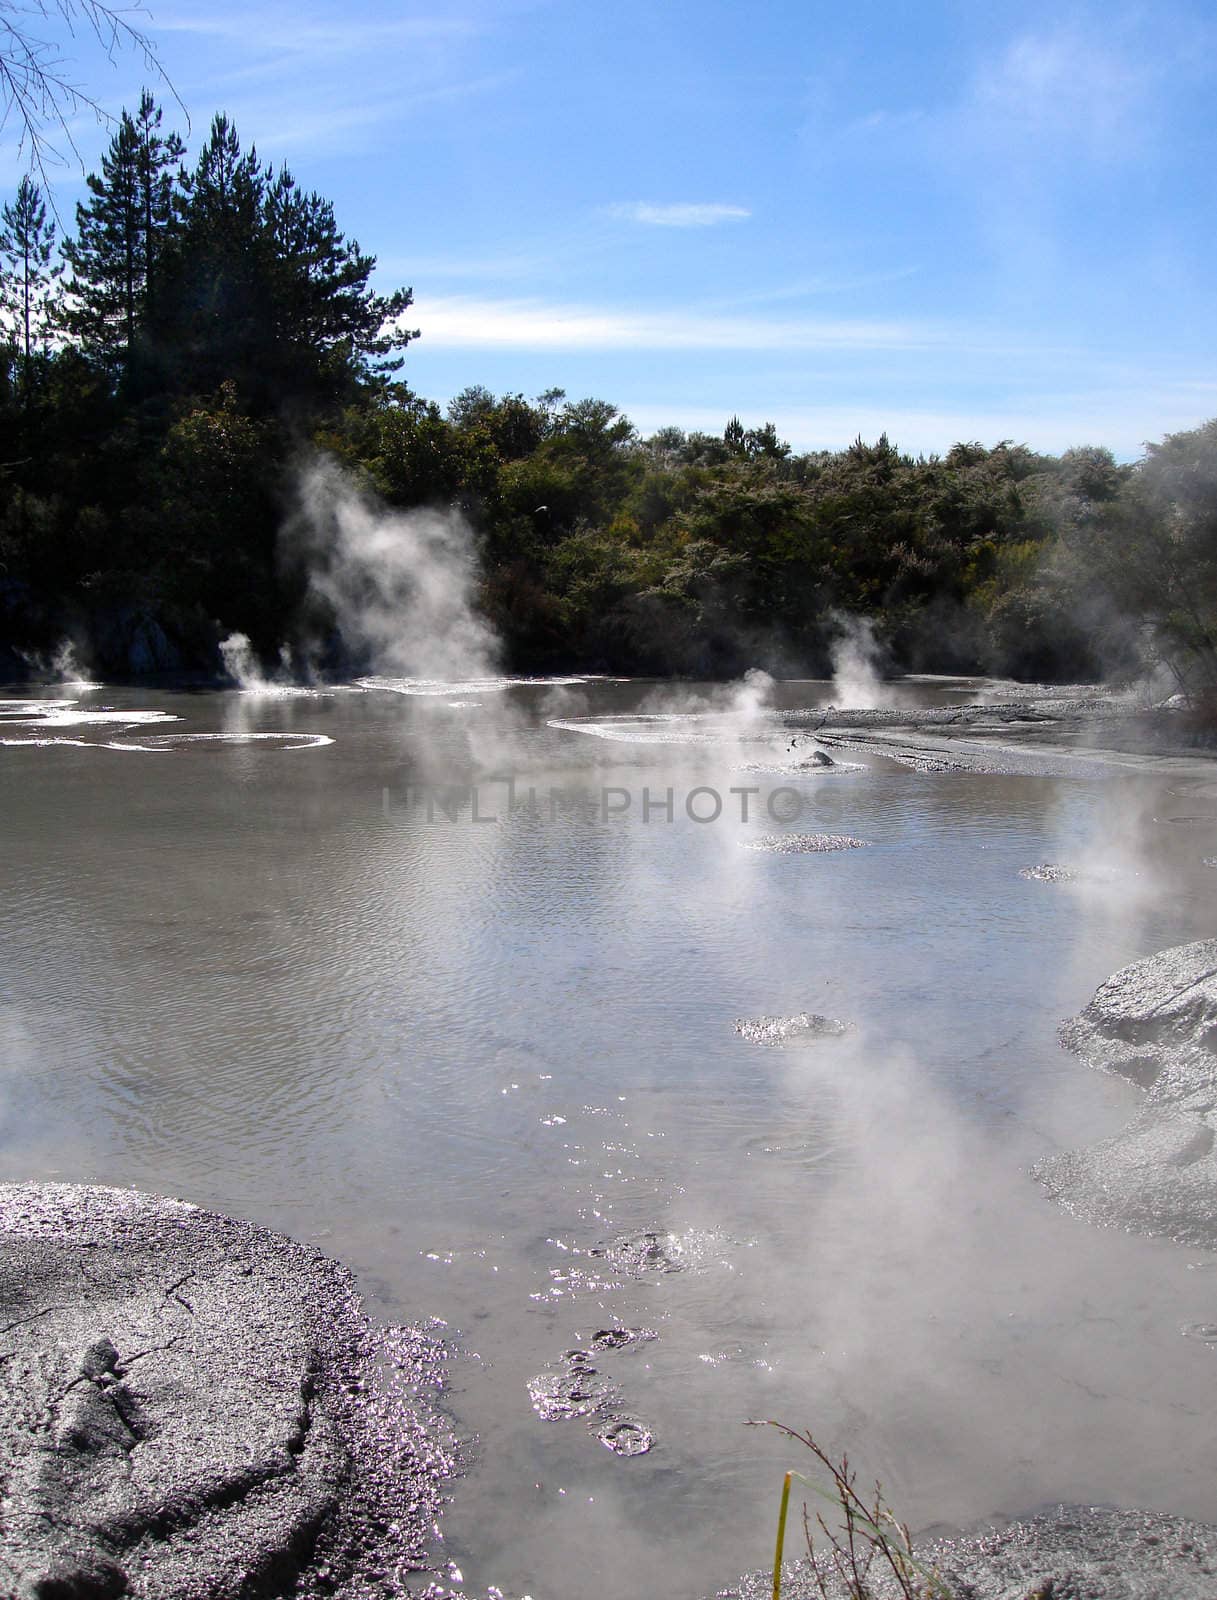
pixel 167 364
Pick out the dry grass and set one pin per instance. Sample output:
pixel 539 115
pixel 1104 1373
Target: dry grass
pixel 860 1540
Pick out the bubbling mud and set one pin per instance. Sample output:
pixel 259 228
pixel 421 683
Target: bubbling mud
pixel 638 1253
pixel 578 1391
pixel 803 844
pixel 626 1436
pixel 574 1388
pixel 1049 872
pixel 800 1029
pixel 620 1338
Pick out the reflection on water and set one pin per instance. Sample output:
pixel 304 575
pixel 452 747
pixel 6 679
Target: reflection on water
pixel 496 1068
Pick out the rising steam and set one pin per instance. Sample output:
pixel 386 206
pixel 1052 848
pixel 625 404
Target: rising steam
pixel 855 656
pixel 62 668
pixel 399 584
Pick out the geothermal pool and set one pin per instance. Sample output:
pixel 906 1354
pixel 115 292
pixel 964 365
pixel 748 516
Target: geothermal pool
pixel 551 1075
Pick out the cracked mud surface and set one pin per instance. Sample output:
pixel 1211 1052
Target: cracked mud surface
pixel 193 1407
pixel 1154 1022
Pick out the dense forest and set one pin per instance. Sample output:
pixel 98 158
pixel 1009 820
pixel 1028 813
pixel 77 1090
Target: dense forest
pixel 170 365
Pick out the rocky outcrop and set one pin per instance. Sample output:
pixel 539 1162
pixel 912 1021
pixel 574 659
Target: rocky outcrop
pixel 1154 1022
pixel 189 1410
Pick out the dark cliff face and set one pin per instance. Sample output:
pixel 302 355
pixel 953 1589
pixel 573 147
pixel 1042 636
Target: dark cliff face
pixel 189 1408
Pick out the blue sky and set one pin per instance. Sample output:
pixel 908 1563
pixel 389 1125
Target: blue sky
pixel 947 220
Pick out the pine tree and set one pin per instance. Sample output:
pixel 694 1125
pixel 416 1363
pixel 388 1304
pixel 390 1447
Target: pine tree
pixel 214 312
pixel 159 166
pixel 263 290
pixel 323 307
pixel 122 236
pixel 105 257
pixel 27 243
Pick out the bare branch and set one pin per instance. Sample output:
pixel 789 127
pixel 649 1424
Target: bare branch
pixel 38 96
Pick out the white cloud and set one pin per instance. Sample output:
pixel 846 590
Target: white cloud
pixel 458 321
pixel 682 214
pixel 282 31
pixel 1069 84
pixel 285 124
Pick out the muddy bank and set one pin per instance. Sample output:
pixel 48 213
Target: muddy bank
pixel 1067 1553
pixel 1035 734
pixel 193 1407
pixel 1154 1022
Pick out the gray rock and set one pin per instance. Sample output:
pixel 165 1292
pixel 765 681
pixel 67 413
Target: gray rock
pixel 190 1410
pixel 1154 1022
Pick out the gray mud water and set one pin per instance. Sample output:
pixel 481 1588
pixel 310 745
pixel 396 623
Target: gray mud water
pixel 491 1066
pixel 195 1409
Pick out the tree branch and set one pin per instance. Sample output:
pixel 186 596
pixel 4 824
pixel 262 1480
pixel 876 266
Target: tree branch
pixel 38 96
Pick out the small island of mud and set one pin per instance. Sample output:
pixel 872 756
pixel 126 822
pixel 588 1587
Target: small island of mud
pixel 1154 1022
pixel 193 1408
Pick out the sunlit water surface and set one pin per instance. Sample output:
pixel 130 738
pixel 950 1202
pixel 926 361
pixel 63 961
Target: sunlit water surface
pixel 465 1055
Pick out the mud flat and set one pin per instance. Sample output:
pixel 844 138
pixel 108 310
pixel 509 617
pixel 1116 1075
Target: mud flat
pixel 1084 735
pixel 193 1407
pixel 1154 1022
pixel 1067 1553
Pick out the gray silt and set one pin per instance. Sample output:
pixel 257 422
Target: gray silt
pixel 192 1408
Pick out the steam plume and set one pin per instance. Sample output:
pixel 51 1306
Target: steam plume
pixel 400 584
pixel 855 658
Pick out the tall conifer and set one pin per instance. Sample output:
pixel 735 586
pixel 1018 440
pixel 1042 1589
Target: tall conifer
pixel 122 235
pixel 27 243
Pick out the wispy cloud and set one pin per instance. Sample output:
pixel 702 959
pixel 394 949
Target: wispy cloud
pixel 459 321
pixel 827 284
pixel 1069 84
pixel 292 126
pixel 681 214
pixel 280 31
